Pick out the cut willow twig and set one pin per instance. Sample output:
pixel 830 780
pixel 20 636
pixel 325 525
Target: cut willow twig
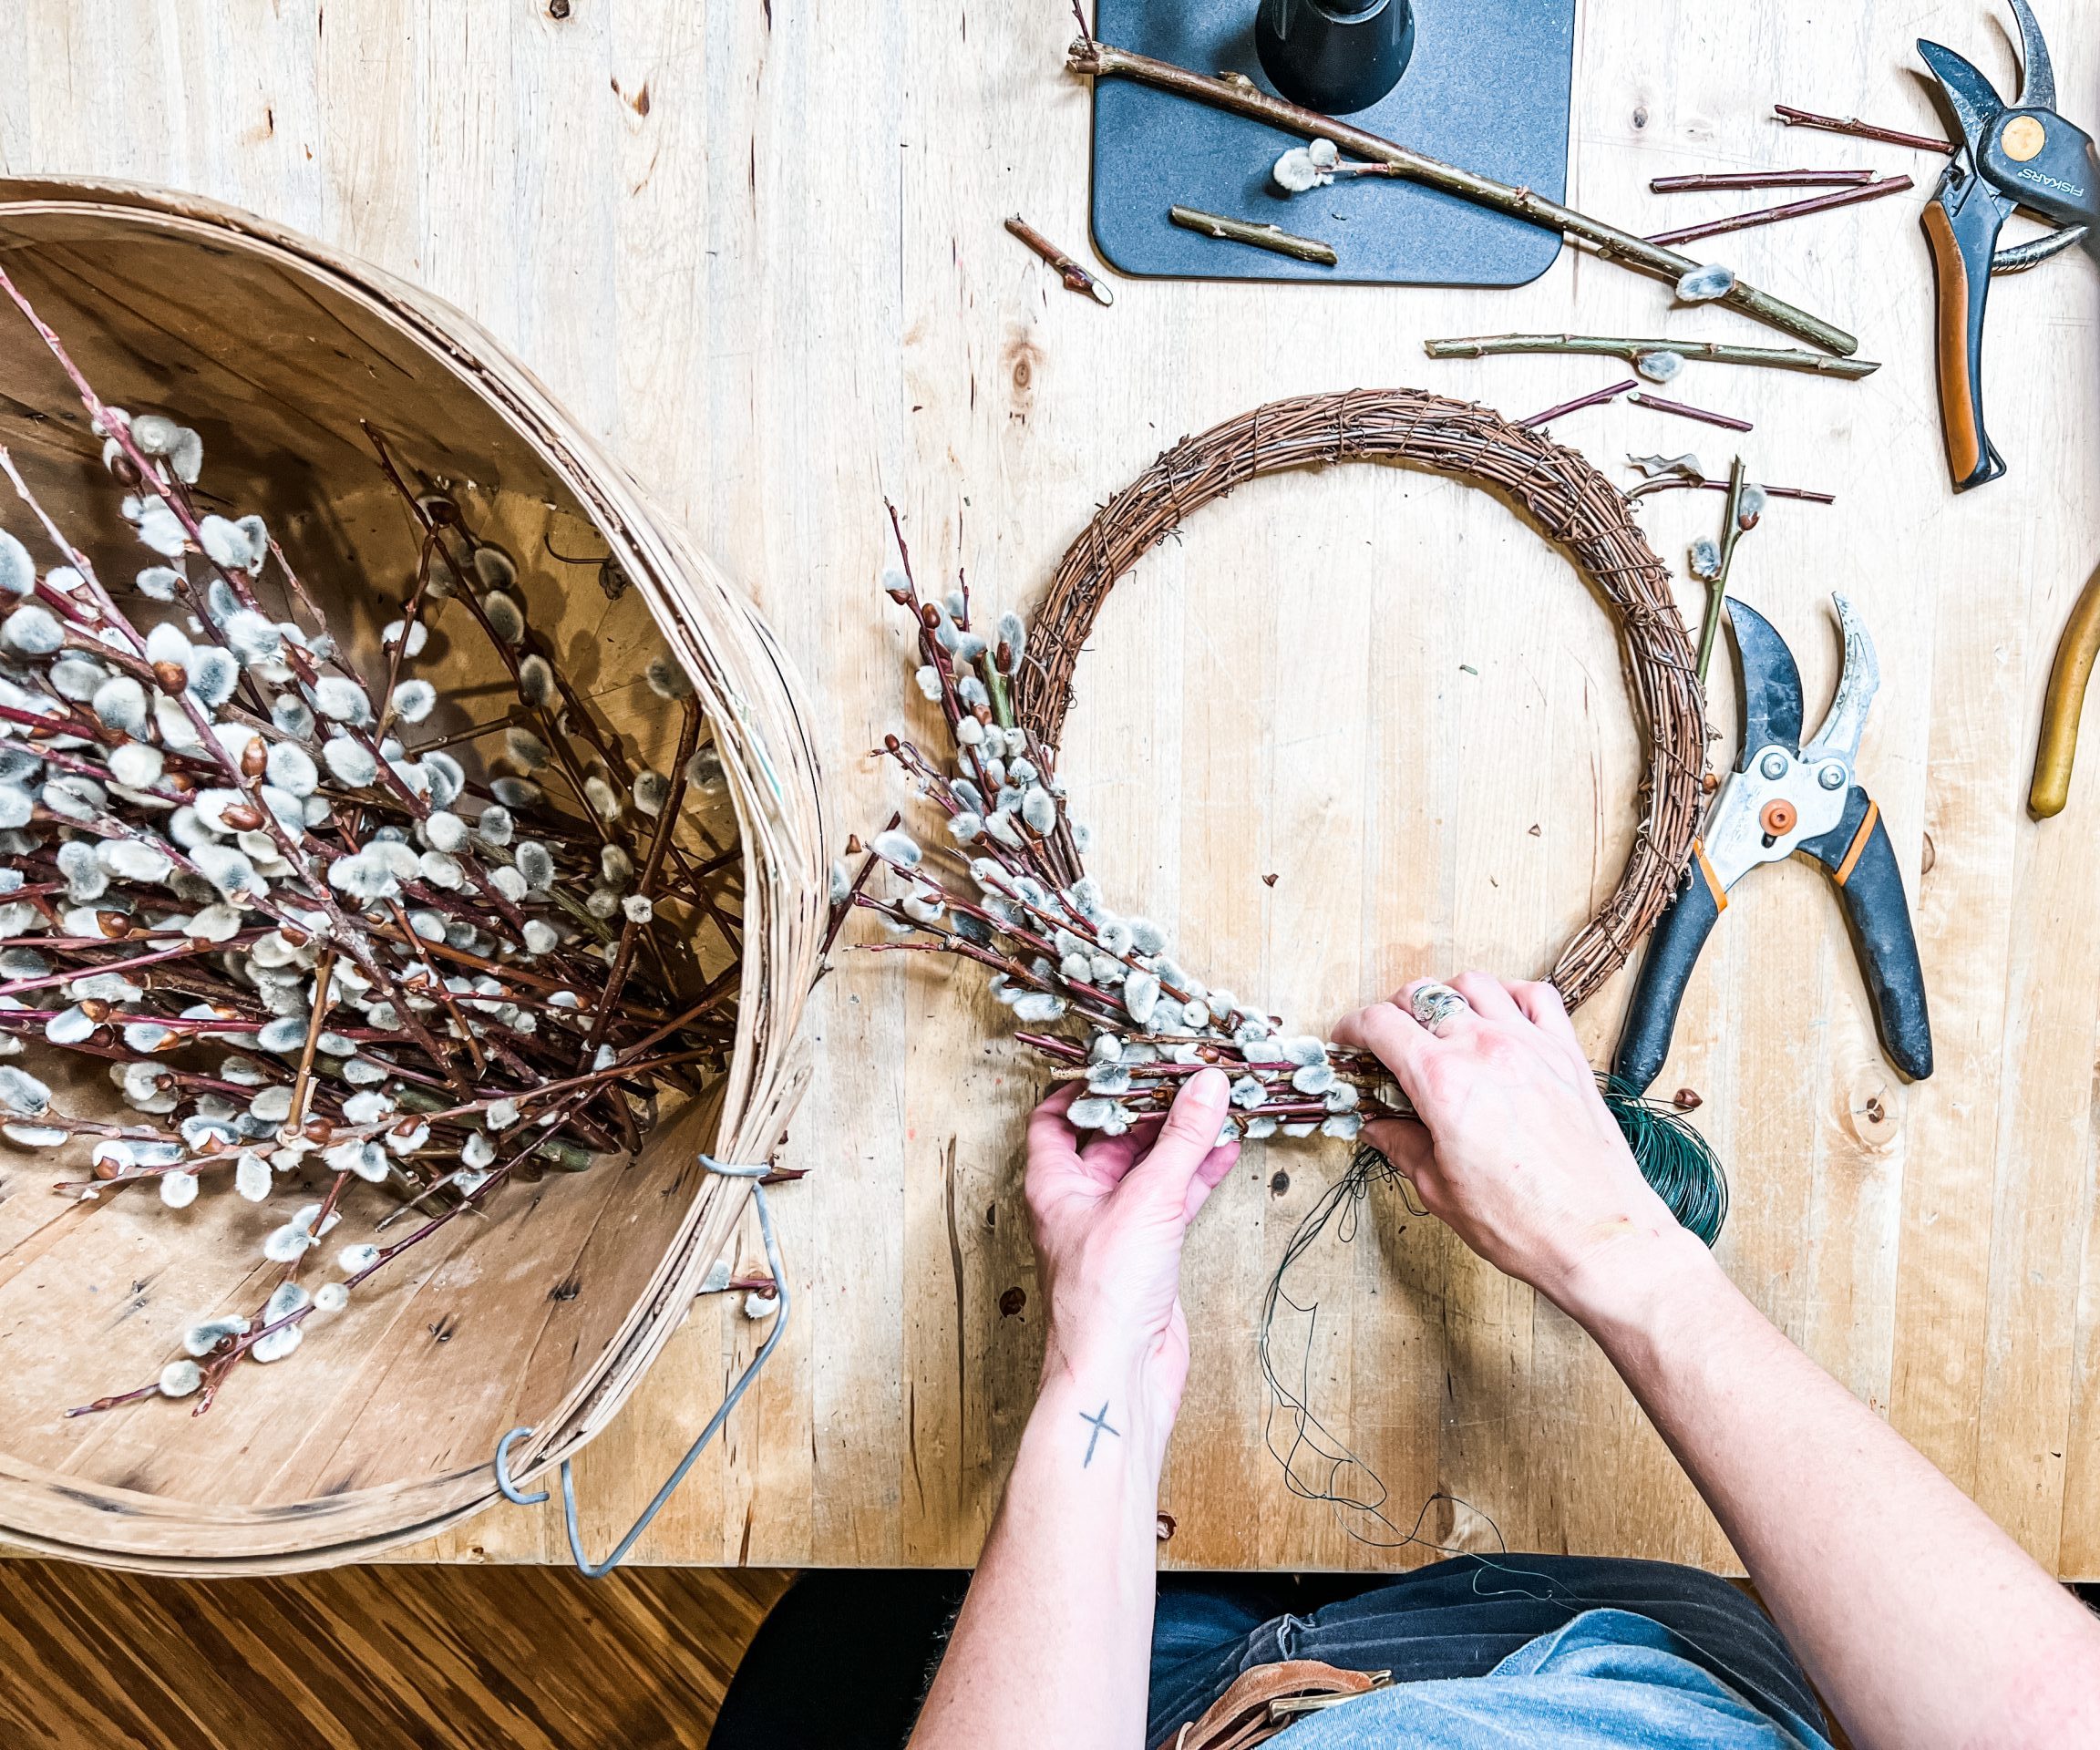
pixel 1712 181
pixel 1661 403
pixel 1242 231
pixel 1097 59
pixel 1075 278
pixel 1648 488
pixel 1711 352
pixel 1859 129
pixel 1596 398
pixel 1791 209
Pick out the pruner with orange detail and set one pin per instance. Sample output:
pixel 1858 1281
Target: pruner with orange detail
pixel 1784 798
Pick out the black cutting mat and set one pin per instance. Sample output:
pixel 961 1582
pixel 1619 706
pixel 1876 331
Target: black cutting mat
pixel 1487 89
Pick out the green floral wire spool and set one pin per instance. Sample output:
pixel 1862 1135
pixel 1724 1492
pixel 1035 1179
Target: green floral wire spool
pixel 1678 1163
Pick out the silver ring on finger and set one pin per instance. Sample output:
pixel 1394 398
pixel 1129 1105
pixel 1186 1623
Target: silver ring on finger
pixel 1433 1004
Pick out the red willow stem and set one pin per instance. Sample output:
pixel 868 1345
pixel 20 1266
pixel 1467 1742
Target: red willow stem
pixel 1663 405
pixel 1859 129
pixel 1595 398
pixel 1714 179
pixel 1773 215
pixel 1675 483
pixel 189 950
pixel 1075 278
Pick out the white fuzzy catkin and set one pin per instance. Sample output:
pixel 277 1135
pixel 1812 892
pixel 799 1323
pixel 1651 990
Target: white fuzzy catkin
pixel 899 848
pixel 506 618
pixel 181 1378
pixel 343 700
pixel 1703 284
pixel 414 700
pixel 667 680
pixel 17 570
pixel 33 630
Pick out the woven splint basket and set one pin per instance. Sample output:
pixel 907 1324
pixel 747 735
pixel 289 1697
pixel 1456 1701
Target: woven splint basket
pixel 546 1312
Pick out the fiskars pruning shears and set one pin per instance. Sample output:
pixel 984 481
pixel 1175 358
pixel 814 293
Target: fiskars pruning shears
pixel 1785 796
pixel 2008 155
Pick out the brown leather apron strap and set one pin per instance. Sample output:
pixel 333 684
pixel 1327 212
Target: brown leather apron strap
pixel 1264 1700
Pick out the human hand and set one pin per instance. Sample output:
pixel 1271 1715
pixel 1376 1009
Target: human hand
pixel 1516 1151
pixel 1108 1219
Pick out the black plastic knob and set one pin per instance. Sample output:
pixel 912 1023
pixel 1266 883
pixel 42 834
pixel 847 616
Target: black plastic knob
pixel 1338 56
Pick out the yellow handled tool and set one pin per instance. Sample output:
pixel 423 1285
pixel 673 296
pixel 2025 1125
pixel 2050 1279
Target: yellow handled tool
pixel 2058 745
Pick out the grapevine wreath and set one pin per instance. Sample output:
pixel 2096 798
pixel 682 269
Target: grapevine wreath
pixel 1100 994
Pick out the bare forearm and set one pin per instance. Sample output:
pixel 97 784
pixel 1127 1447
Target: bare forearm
pixel 1923 1623
pixel 1054 1644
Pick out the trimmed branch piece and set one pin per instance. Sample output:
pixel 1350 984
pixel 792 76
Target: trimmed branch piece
pixel 1647 489
pixel 1859 129
pixel 1596 398
pixel 1243 231
pixel 1711 352
pixel 1716 180
pixel 1791 209
pixel 1099 60
pixel 1661 405
pixel 1075 278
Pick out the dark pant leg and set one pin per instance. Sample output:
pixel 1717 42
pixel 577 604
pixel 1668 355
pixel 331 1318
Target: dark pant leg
pixel 842 1663
pixel 1201 1625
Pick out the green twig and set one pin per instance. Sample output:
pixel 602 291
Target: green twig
pixel 1711 352
pixel 1718 588
pixel 1241 231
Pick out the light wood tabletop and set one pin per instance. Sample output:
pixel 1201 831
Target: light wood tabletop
pixel 1352 727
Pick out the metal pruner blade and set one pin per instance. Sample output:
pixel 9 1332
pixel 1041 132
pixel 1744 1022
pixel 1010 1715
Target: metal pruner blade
pixel 1837 736
pixel 1771 685
pixel 2037 77
pixel 1973 100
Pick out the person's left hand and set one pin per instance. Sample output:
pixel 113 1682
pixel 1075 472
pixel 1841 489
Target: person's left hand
pixel 1108 1219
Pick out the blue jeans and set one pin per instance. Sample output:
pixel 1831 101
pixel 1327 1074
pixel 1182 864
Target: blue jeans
pixel 1455 1619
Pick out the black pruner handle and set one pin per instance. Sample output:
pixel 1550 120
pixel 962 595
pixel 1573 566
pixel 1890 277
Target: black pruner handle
pixel 1963 238
pixel 1862 862
pixel 1673 948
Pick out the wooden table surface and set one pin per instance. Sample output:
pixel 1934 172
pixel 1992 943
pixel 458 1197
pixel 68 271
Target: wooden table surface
pixel 1351 728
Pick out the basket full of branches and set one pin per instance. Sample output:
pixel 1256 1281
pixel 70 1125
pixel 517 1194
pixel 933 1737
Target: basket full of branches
pixel 407 872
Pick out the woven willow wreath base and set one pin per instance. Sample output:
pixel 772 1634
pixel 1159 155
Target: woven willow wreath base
pixel 1100 995
pixel 1559 492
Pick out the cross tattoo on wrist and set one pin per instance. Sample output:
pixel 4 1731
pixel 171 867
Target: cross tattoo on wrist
pixel 1098 1421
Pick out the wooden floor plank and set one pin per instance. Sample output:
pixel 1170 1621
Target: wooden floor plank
pixel 437 1658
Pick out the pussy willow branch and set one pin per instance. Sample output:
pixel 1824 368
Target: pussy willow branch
pixel 1710 352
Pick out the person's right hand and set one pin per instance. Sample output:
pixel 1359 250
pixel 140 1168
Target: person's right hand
pixel 1516 1150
